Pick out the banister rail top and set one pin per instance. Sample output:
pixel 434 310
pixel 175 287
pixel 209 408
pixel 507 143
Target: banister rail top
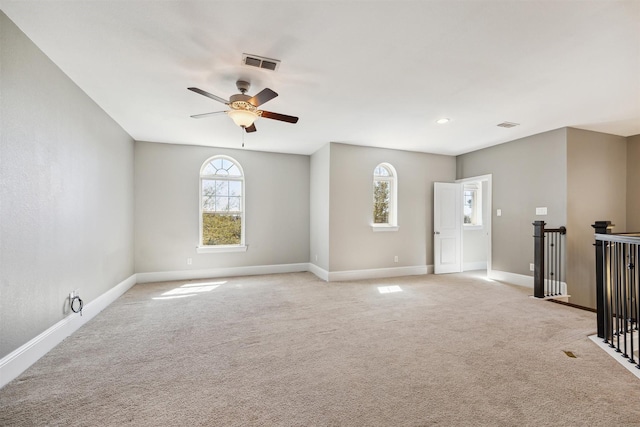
pixel 633 238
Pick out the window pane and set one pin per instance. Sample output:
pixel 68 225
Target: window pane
pixel 209 170
pixel 217 163
pixel 222 188
pixel 222 204
pixel 234 171
pixel 220 229
pixel 235 188
pixel 234 204
pixel 381 202
pixel 381 171
pixel 208 194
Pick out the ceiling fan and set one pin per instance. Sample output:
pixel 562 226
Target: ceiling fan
pixel 244 108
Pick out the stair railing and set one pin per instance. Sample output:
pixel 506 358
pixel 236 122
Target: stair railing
pixel 548 260
pixel 617 289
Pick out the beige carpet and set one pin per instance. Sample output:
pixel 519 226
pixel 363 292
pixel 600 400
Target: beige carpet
pixel 292 350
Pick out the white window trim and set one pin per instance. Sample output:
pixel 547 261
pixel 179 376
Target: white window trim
pixel 200 248
pixel 384 227
pixel 392 225
pixel 220 249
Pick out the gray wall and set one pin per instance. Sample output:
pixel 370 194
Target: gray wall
pixel 319 207
pixel 597 190
pixel 633 183
pixel 526 173
pixel 166 208
pixel 353 245
pixel 66 199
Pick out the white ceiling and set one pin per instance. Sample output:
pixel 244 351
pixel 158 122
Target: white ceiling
pixel 375 73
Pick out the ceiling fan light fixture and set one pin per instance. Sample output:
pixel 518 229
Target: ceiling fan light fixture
pixel 243 118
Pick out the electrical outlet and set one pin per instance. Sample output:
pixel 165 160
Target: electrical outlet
pixel 395 258
pixel 189 261
pixel 532 267
pixel 72 294
pixel 316 257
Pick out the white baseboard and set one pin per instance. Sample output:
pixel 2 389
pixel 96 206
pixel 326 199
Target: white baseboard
pixel 321 273
pixel 478 265
pixel 631 367
pixel 26 355
pixel 513 278
pixel 519 279
pixel 377 273
pixel 165 276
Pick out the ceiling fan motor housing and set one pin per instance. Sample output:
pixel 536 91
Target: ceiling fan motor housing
pixel 243 86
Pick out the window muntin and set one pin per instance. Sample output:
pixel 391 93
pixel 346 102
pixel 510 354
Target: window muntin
pixel 384 195
pixel 221 203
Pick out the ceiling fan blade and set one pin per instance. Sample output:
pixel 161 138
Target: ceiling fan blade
pixel 208 95
pixel 200 116
pixel 262 97
pixel 281 117
pixel 251 128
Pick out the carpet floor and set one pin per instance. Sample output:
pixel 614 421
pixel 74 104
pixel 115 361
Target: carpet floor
pixel 292 350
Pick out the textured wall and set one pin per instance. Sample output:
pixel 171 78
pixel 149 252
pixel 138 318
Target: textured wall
pixel 633 183
pixel 353 245
pixel 596 190
pixel 166 215
pixel 319 213
pixel 526 173
pixel 66 193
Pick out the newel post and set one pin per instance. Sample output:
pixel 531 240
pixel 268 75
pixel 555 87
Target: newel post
pixel 538 259
pixel 601 227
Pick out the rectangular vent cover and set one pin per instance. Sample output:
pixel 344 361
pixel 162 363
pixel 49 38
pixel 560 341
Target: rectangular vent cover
pixel 508 124
pixel 260 62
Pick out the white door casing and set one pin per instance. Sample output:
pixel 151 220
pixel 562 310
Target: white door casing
pixel 447 227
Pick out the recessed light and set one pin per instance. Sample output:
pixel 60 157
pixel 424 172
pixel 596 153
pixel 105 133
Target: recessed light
pixel 443 121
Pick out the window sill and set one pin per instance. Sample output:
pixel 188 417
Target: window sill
pixel 380 227
pixel 220 249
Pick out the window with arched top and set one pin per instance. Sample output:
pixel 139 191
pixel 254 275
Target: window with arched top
pixel 221 205
pixel 385 185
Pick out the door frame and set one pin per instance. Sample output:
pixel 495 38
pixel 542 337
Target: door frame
pixel 488 220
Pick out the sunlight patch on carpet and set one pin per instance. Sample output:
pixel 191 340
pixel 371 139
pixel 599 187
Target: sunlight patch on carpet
pixel 189 290
pixel 389 289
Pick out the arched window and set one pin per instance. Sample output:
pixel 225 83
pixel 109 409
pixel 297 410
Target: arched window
pixel 385 197
pixel 221 204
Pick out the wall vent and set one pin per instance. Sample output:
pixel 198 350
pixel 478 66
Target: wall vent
pixel 260 62
pixel 508 125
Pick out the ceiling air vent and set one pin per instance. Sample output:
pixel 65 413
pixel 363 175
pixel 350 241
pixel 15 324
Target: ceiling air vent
pixel 508 125
pixel 260 62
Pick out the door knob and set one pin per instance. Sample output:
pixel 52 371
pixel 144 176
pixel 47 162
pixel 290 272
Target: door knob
pixel 436 232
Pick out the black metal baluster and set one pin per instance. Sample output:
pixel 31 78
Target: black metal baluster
pixel 617 294
pixel 632 305
pixel 560 264
pixel 625 303
pixel 554 276
pixel 606 292
pixel 612 294
pixel 547 240
pixel 636 287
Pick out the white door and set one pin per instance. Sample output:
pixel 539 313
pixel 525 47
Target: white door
pixel 447 227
